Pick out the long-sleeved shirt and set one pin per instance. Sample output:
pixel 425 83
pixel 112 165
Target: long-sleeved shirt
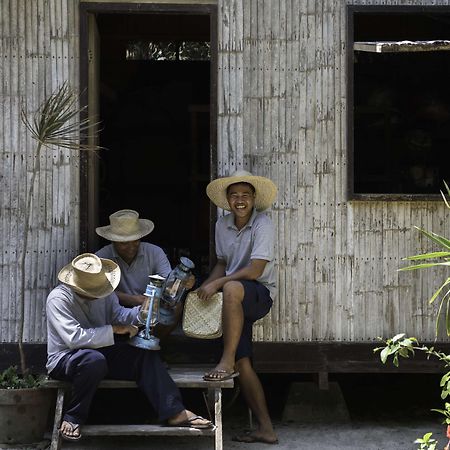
pixel 74 322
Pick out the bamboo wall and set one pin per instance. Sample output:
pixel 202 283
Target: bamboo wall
pixel 38 51
pixel 281 114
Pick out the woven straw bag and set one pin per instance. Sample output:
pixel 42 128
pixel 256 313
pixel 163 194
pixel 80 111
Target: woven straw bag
pixel 202 319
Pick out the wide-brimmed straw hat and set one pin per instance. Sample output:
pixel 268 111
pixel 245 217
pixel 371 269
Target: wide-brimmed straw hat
pixel 125 226
pixel 265 189
pixel 90 275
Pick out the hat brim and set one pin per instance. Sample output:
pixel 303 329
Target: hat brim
pixel 112 278
pixel 265 190
pixel 145 227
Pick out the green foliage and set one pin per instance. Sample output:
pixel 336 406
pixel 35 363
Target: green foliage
pixel 11 379
pixel 397 346
pixel 445 412
pixel 445 386
pixel 426 442
pixel 401 347
pixel 440 258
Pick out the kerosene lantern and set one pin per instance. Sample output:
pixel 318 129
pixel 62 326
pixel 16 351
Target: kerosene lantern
pixel 149 315
pixel 173 290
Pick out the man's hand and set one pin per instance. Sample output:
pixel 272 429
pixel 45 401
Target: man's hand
pixel 130 299
pixel 132 330
pixel 189 282
pixel 206 291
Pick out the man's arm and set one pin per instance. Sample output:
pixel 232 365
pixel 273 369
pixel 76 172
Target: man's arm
pixel 217 279
pixel 130 300
pixel 69 329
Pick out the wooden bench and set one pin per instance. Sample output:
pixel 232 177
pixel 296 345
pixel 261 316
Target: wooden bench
pixel 183 377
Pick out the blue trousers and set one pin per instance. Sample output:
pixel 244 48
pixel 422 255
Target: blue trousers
pixel 85 368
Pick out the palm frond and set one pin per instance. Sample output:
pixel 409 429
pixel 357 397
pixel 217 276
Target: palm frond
pixel 444 242
pixel 424 266
pixel 444 197
pixel 432 255
pixel 59 122
pixel 438 291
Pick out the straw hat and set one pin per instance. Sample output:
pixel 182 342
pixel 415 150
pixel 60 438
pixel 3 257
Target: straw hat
pixel 90 275
pixel 265 189
pixel 125 226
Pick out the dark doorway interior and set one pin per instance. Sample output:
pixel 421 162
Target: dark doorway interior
pixel 401 106
pixel 154 103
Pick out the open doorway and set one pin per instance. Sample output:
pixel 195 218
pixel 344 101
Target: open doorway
pixel 154 91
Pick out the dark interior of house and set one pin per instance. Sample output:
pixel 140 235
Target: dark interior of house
pixel 401 106
pixel 154 103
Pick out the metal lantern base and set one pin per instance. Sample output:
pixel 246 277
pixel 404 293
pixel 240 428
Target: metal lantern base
pixel 150 343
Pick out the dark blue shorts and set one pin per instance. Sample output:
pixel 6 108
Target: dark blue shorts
pixel 256 304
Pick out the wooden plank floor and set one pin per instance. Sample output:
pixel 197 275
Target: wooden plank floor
pixel 143 430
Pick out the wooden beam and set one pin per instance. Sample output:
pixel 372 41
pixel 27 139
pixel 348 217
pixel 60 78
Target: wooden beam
pixel 269 357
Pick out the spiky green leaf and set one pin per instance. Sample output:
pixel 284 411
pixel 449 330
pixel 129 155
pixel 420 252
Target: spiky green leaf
pixel 436 238
pixel 432 255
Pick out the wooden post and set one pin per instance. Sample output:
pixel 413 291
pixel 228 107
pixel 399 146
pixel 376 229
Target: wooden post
pixel 56 437
pixel 218 418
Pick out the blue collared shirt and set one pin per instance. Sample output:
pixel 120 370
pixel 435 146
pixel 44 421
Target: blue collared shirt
pixel 254 241
pixel 150 260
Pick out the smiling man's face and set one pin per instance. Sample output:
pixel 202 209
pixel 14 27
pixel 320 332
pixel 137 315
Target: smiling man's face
pixel 127 250
pixel 241 198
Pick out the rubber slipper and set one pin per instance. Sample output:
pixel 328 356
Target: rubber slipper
pixel 73 427
pixel 250 438
pixel 223 375
pixel 188 423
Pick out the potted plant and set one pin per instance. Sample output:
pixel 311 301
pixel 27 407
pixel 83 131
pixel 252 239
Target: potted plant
pixel 56 124
pixel 401 346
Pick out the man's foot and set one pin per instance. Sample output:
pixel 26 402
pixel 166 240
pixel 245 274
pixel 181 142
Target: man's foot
pixel 70 431
pixel 256 436
pixel 223 371
pixel 220 375
pixel 189 419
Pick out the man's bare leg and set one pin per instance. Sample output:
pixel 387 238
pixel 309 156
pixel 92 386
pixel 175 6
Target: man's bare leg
pixel 253 393
pixel 232 323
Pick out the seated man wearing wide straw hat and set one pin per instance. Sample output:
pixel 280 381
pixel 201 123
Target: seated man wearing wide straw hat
pixel 245 273
pixel 83 314
pixel 137 260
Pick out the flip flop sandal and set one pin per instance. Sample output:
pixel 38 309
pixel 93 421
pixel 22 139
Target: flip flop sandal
pixel 73 427
pixel 223 375
pixel 188 423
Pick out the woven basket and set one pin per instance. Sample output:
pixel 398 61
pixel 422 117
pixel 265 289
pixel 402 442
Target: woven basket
pixel 202 319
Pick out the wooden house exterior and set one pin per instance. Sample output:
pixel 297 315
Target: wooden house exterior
pixel 282 109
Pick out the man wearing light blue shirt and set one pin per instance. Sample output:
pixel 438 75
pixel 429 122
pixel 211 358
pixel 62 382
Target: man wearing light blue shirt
pixel 137 260
pixel 83 314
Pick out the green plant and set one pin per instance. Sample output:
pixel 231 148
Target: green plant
pixel 11 379
pixel 440 258
pixel 59 122
pixel 426 442
pixel 401 346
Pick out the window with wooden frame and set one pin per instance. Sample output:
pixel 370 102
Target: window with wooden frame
pixel 399 102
